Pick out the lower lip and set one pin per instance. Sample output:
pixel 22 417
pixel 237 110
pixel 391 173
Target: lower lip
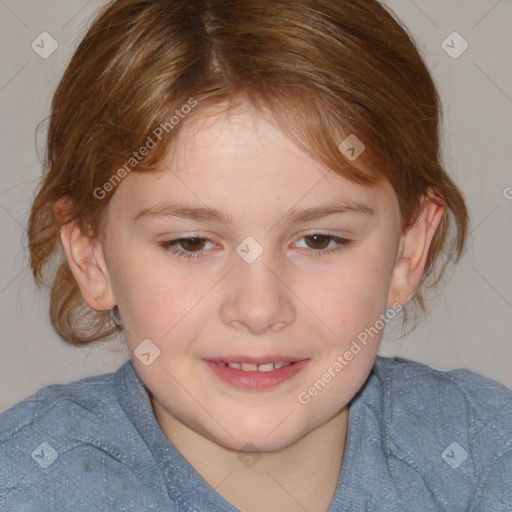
pixel 256 380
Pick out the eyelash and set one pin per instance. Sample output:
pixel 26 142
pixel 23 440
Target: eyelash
pixel 169 246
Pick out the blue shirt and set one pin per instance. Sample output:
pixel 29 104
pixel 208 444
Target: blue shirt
pixel 418 439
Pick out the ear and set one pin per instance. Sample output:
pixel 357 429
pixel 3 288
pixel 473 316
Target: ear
pixel 413 251
pixel 87 263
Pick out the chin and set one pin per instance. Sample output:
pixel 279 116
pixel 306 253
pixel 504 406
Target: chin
pixel 260 438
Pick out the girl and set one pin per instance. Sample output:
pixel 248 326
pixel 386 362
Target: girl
pixel 249 192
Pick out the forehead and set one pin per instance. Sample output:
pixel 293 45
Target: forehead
pixel 238 160
pixel 233 137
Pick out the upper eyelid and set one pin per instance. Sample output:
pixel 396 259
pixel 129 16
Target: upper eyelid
pixel 204 236
pixel 208 238
pixel 310 231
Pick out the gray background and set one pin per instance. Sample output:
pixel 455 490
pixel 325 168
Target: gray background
pixel 469 323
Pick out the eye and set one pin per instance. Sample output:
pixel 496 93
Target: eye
pixel 193 247
pixel 320 241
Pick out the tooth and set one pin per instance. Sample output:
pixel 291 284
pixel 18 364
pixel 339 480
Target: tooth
pixel 266 367
pixel 287 364
pixel 278 365
pixel 249 367
pixel 234 365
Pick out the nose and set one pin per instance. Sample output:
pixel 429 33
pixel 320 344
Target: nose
pixel 256 297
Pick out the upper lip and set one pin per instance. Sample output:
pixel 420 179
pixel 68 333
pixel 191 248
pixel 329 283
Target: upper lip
pixel 256 360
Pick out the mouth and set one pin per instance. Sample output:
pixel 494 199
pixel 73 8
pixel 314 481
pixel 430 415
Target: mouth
pixel 256 373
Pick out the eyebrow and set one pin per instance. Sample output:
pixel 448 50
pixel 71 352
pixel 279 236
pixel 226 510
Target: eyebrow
pixel 207 214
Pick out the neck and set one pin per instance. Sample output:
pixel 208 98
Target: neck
pixel 302 476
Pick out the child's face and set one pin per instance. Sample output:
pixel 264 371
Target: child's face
pixel 292 302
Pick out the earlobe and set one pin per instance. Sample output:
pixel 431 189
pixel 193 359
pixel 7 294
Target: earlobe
pixel 87 263
pixel 413 251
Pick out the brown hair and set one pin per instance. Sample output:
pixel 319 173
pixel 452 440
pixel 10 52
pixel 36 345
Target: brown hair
pixel 321 69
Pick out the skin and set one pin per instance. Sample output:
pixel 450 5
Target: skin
pixel 288 301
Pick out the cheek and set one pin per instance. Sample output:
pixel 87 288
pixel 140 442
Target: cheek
pixel 155 301
pixel 353 307
pixel 353 298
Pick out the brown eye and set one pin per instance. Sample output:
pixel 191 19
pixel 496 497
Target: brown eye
pixel 190 247
pixel 192 244
pixel 318 241
pixel 322 244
